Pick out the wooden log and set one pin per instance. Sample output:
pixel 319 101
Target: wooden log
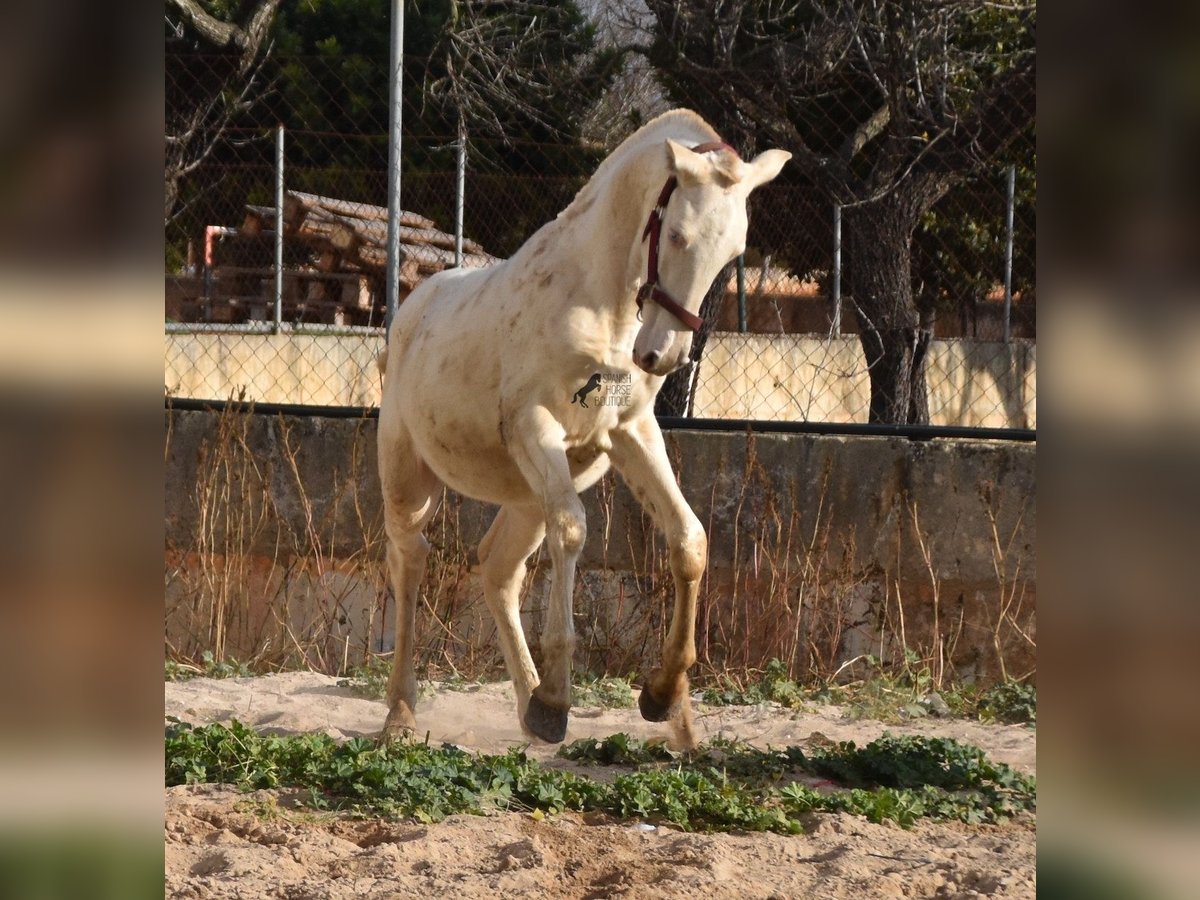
pixel 329 260
pixel 479 260
pixel 376 233
pixel 316 230
pixel 357 210
pixel 410 275
pixel 295 211
pixel 427 259
pixel 345 238
pixel 259 219
pixel 327 229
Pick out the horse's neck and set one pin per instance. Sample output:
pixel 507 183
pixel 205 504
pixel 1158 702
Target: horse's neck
pixel 611 224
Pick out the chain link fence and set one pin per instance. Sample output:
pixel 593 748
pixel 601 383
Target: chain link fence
pixel 275 259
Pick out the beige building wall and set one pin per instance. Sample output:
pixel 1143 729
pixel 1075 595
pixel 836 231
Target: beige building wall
pixel 795 377
pixel 742 376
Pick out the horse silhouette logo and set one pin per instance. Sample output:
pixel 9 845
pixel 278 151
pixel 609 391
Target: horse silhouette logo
pixel 593 384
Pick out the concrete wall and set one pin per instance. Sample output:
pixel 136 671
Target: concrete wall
pixel 792 377
pixel 881 539
pixel 743 376
pixel 275 368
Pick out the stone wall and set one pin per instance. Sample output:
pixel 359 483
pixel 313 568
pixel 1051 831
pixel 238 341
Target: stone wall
pixel 822 549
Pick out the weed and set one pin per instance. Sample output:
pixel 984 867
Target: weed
pixel 209 667
pixel 774 687
pixel 369 679
pixel 602 690
pixel 725 786
pixel 1009 701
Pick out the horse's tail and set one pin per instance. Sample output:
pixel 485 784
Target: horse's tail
pixel 381 360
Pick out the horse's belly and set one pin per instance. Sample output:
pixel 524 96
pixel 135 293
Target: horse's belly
pixel 490 476
pixel 465 451
pixel 473 464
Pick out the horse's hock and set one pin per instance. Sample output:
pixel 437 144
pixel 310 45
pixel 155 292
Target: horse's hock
pixel 821 549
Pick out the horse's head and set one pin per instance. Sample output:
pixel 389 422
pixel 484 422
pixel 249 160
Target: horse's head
pixel 703 227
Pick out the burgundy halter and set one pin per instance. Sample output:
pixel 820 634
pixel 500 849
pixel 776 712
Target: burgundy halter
pixel 651 290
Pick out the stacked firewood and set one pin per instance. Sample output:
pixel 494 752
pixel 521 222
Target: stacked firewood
pixel 346 236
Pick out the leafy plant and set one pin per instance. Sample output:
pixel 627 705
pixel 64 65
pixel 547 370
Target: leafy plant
pixel 369 679
pixel 209 667
pixel 1009 701
pixel 602 690
pixel 884 696
pixel 896 778
pixel 725 786
pixel 775 686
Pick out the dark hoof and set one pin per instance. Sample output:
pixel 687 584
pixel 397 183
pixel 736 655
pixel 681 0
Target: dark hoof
pixel 653 710
pixel 546 722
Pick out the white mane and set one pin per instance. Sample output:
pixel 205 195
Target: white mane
pixel 678 124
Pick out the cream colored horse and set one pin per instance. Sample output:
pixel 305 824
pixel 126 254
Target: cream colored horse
pixel 482 367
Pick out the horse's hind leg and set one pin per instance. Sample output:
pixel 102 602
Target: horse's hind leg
pixel 411 493
pixel 515 534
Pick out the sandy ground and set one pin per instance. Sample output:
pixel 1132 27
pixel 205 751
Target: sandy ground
pixel 226 844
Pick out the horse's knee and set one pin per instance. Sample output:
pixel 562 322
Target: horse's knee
pixel 568 528
pixel 558 646
pixel 689 553
pixel 409 549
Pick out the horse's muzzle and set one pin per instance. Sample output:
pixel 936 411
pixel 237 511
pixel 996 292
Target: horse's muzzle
pixel 654 363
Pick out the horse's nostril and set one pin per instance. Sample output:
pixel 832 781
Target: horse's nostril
pixel 649 360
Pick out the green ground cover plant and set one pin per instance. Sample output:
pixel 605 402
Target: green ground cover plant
pixel 886 696
pixel 209 667
pixel 602 690
pixel 723 786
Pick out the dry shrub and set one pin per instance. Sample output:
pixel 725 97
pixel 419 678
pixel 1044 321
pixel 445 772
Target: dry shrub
pixel 272 576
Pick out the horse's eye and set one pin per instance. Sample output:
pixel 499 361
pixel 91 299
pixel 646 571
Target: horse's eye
pixel 676 238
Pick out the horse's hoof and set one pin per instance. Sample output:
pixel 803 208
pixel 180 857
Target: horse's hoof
pixel 400 725
pixel 653 710
pixel 397 734
pixel 544 721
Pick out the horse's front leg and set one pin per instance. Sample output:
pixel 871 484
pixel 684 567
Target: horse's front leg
pixel 639 454
pixel 538 447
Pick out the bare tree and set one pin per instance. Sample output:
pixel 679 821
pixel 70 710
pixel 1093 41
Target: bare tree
pixel 508 67
pixel 884 106
pixel 635 95
pixel 198 118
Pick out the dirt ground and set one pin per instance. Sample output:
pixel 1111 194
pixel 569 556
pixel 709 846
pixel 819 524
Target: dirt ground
pixel 221 843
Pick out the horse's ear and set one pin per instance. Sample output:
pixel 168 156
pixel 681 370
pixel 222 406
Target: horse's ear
pixel 687 165
pixel 763 168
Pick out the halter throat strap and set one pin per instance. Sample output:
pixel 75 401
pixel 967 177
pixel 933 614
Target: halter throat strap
pixel 651 290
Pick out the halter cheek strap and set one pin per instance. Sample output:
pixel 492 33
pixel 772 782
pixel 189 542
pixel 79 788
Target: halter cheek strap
pixel 651 290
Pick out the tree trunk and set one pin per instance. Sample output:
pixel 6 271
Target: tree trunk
pixel 878 278
pixel 679 388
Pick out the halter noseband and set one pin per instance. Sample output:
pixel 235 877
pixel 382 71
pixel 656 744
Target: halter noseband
pixel 651 289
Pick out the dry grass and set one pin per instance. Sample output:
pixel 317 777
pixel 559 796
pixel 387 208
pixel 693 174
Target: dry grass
pixel 306 586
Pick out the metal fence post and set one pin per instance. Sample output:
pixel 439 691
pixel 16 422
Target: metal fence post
pixel 835 288
pixel 395 116
pixel 277 317
pixel 1008 252
pixel 459 194
pixel 743 324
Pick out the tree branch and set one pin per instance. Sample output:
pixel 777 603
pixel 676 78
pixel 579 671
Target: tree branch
pixel 224 34
pixel 865 133
pixel 988 130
